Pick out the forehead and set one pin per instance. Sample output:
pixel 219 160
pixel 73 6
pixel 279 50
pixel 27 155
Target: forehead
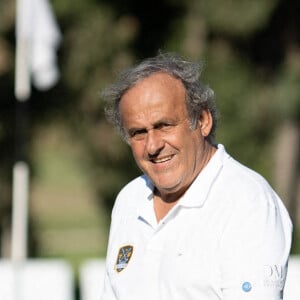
pixel 159 88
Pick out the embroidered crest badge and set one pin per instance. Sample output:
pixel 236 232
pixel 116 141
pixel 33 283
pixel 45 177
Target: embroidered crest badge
pixel 123 258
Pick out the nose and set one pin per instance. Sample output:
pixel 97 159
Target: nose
pixel 154 143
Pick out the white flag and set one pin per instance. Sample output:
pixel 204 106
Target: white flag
pixel 45 40
pixel 38 37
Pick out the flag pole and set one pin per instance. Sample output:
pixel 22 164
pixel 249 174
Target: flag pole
pixel 37 38
pixel 20 183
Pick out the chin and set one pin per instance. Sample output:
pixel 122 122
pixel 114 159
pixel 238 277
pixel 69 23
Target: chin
pixel 168 188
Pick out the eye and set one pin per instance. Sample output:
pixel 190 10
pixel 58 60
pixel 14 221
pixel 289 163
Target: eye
pixel 163 126
pixel 137 134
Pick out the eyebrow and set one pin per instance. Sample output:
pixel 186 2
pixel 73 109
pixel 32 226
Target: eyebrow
pixel 132 130
pixel 155 125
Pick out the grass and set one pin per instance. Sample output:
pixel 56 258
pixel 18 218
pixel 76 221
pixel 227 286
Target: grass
pixel 67 221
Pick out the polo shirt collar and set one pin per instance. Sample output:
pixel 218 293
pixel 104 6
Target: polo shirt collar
pixel 145 209
pixel 197 193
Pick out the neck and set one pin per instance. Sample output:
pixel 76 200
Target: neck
pixel 163 206
pixel 164 201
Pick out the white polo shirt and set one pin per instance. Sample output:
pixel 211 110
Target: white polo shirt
pixel 227 238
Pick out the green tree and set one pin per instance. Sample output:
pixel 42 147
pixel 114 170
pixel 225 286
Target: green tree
pixel 251 50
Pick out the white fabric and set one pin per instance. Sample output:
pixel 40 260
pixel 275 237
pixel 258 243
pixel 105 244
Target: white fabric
pixel 292 287
pixel 36 280
pixel 45 40
pixel 229 229
pixel 91 278
pixel 38 37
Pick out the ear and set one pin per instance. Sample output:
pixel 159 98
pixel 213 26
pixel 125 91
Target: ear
pixel 205 123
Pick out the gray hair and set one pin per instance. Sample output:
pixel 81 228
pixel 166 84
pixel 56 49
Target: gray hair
pixel 199 97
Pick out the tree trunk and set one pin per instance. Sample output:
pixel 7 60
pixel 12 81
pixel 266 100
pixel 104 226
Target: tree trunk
pixel 286 168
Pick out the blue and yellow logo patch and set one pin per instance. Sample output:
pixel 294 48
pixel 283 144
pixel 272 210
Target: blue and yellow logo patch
pixel 123 257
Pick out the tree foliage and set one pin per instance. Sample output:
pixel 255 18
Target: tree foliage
pixel 251 50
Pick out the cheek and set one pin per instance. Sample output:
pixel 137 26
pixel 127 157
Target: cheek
pixel 192 147
pixel 137 150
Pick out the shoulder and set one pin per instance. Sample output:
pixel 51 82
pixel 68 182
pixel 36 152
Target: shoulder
pixel 246 183
pixel 255 208
pixel 247 194
pixel 235 177
pixel 135 186
pixel 132 193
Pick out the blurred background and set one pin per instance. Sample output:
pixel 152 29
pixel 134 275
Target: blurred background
pixel 251 50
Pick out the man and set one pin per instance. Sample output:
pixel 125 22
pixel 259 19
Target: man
pixel 197 225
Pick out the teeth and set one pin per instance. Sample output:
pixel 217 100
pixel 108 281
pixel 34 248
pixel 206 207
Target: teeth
pixel 161 160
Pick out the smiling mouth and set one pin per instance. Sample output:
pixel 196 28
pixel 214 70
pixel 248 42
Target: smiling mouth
pixel 161 160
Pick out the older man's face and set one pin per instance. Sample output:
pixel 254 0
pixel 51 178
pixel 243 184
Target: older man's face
pixel 164 146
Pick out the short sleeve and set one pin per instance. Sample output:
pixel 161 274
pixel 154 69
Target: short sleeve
pixel 254 249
